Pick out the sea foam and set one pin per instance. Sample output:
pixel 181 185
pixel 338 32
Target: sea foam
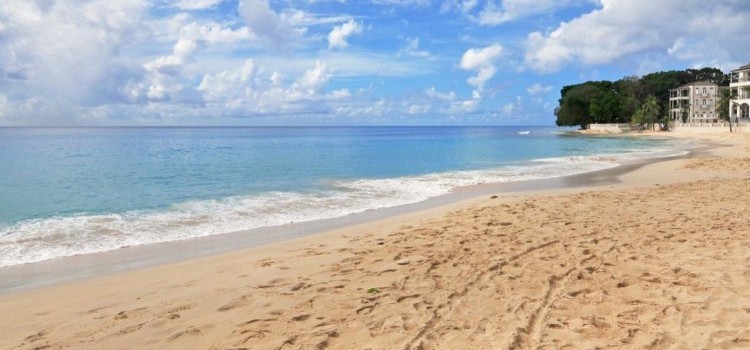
pixel 42 239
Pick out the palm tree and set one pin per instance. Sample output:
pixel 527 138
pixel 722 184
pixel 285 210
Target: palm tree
pixel 651 109
pixel 722 108
pixel 684 111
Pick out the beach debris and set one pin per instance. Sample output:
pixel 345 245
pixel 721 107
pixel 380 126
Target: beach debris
pixel 373 290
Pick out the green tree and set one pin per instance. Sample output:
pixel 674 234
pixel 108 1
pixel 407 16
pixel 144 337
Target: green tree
pixel 648 113
pixel 684 110
pixel 630 90
pixel 651 109
pixel 607 108
pixel 722 107
pixel 575 103
pixel 606 101
pixel 709 74
pixel 658 85
pixel 639 117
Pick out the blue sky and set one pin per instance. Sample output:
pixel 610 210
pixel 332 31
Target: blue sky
pixel 340 62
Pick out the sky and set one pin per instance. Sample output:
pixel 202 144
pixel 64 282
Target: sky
pixel 340 62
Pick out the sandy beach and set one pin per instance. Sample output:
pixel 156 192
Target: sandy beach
pixel 657 260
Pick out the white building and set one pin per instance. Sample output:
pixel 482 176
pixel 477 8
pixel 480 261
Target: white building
pixel 694 103
pixel 740 87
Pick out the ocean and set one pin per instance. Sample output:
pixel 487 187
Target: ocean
pixel 69 191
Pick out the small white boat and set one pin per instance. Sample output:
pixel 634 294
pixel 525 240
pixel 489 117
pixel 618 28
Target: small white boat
pixel 525 132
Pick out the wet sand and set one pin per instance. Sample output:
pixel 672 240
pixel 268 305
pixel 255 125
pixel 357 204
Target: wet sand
pixel 654 258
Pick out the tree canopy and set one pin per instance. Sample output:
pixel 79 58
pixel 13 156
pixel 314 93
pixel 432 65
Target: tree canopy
pixel 617 102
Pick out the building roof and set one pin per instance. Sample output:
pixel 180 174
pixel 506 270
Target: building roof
pixel 694 83
pixel 747 66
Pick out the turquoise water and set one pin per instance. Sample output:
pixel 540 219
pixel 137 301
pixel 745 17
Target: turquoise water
pixel 71 191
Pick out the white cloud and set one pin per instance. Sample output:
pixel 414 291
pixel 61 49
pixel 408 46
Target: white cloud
pixel 181 52
pixel 276 78
pixel 314 79
pixel 483 62
pixel 337 37
pixel 494 12
pixel 538 89
pixel 685 29
pixel 403 3
pixel 463 106
pixel 419 109
pixel 464 6
pixel 511 10
pixel 4 106
pixel 65 54
pixel 223 85
pixel 445 96
pixel 249 91
pixel 164 72
pixel 340 94
pixel 196 4
pixel 298 17
pixel 212 32
pixel 412 49
pixel 267 24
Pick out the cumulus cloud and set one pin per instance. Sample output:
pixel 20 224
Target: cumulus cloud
pixel 181 52
pixel 463 106
pixel 298 17
pixel 618 29
pixel 338 36
pixel 196 4
pixel 313 80
pixel 267 24
pixel 250 90
pixel 229 85
pixel 494 12
pixel 464 6
pixel 66 53
pixel 164 72
pixel 433 93
pixel 538 89
pixel 510 10
pixel 212 32
pixel 483 62
pixel 3 106
pixel 412 49
pixel 404 3
pixel 419 109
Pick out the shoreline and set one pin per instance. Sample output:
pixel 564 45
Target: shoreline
pixel 23 277
pixel 656 256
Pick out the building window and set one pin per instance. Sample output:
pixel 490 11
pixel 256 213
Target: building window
pixel 704 90
pixel 704 102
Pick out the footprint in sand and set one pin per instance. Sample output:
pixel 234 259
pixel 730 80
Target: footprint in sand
pixel 300 317
pixel 35 337
pixel 231 305
pixel 125 314
pixel 188 331
pixel 273 283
